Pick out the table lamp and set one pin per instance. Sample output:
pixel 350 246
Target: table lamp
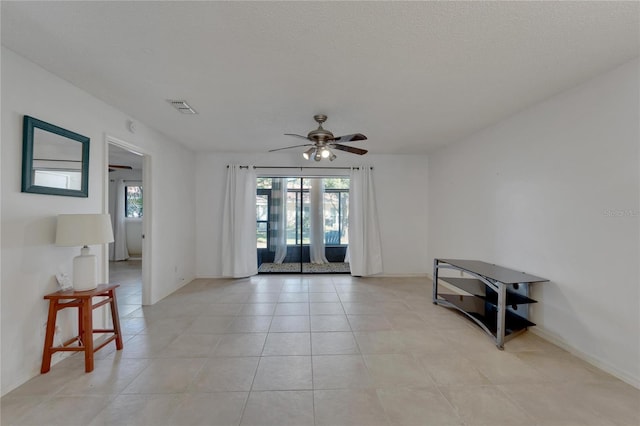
pixel 84 230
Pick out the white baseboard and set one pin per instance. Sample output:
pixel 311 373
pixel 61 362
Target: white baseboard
pixel 558 341
pixel 596 362
pixel 209 277
pixel 421 275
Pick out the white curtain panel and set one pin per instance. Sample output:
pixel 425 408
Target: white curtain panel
pixel 119 246
pixel 279 225
pixel 365 250
pixel 316 221
pixel 239 223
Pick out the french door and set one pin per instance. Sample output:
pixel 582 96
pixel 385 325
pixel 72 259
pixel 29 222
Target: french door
pixel 302 224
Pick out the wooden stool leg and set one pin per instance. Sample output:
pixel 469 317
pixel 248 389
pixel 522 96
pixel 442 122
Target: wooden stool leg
pixel 80 326
pixel 115 318
pixel 87 333
pixel 48 340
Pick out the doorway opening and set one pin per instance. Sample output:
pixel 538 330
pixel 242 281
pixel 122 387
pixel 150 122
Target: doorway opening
pixel 302 225
pixel 128 210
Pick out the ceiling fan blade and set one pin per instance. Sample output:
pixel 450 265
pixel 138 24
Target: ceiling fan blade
pixel 351 138
pixel 116 166
pixel 294 146
pixel 293 134
pixel 350 149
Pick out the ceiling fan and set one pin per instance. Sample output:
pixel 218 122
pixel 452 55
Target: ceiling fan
pixel 113 167
pixel 322 141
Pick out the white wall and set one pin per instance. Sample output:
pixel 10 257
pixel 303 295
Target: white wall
pixel 555 191
pixel 29 259
pixel 400 186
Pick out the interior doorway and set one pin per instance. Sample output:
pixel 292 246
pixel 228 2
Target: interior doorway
pixel 128 209
pixel 302 225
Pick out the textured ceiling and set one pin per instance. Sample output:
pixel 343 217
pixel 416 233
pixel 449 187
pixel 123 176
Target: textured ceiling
pixel 410 75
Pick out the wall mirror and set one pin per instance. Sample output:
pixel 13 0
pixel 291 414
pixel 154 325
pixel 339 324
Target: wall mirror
pixel 55 161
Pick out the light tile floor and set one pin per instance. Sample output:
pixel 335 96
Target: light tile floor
pixel 128 274
pixel 318 350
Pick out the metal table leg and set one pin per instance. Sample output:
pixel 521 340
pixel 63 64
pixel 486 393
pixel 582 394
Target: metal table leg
pixel 502 307
pixel 435 280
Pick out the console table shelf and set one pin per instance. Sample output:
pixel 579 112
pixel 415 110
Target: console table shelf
pixel 486 313
pixel 496 298
pixel 480 289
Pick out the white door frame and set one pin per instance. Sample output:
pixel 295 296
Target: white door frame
pixel 147 288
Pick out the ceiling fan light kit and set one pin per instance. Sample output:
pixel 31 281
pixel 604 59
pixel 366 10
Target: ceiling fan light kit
pixel 325 153
pixel 323 140
pixel 308 154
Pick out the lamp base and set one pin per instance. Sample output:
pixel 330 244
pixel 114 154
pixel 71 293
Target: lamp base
pixel 85 275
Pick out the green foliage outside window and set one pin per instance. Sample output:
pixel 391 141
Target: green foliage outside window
pixel 336 209
pixel 133 201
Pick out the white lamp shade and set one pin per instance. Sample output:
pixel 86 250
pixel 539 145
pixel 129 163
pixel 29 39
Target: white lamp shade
pixel 83 230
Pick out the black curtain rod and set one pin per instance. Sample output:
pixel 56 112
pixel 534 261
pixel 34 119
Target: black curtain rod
pixel 300 167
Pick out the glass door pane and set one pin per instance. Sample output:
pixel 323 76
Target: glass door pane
pixel 327 219
pixel 305 225
pixel 294 223
pixel 262 219
pixel 292 216
pixel 277 225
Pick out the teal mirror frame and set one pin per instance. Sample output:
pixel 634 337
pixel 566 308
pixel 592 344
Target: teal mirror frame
pixel 30 125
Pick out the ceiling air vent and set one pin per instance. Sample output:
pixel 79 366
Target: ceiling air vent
pixel 182 106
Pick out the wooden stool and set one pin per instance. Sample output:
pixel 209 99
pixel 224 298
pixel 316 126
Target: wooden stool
pixel 83 301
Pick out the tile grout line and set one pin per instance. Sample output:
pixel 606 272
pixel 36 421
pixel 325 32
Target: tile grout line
pixel 246 402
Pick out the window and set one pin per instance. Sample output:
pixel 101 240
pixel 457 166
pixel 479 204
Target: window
pixel 133 201
pixel 336 211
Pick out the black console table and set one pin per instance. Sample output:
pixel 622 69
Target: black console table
pixel 496 298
